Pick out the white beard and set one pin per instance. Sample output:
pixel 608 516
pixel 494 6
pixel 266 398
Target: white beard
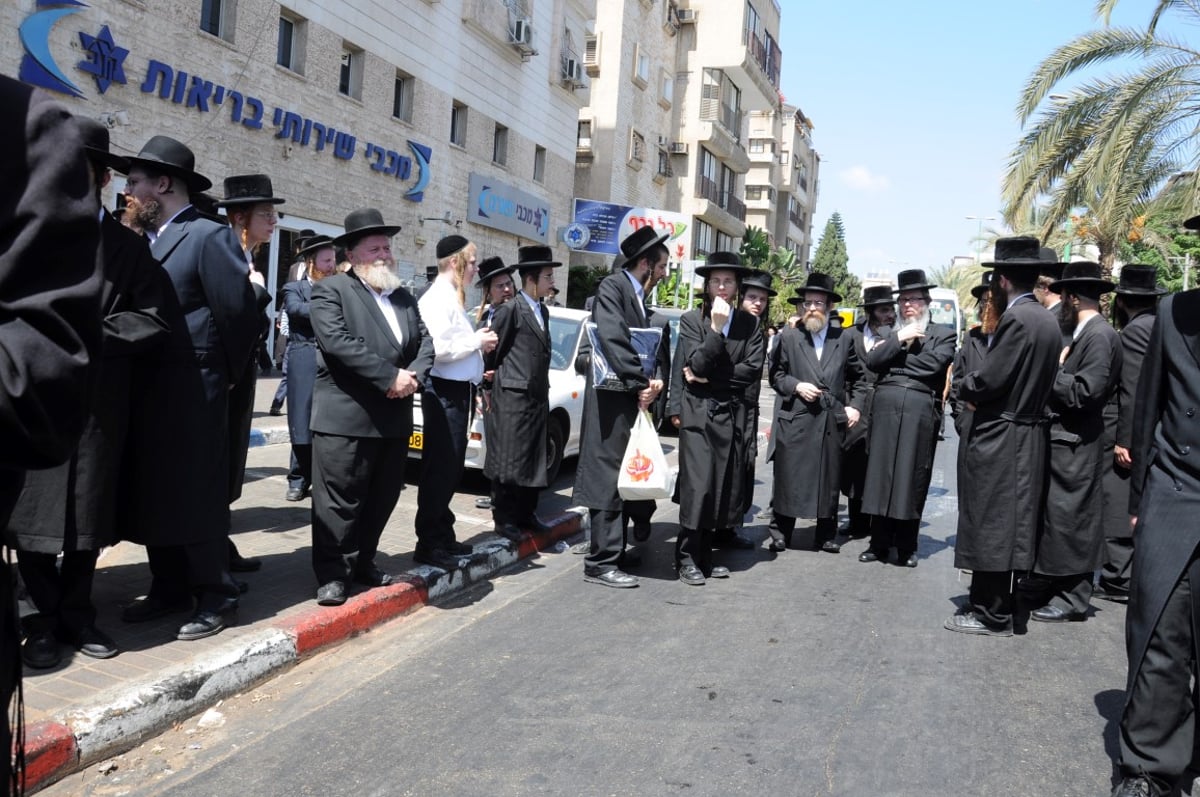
pixel 379 275
pixel 920 322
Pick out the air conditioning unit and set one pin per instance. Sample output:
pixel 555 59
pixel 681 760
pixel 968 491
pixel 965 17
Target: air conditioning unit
pixel 664 142
pixel 686 16
pixel 679 148
pixel 573 72
pixel 522 33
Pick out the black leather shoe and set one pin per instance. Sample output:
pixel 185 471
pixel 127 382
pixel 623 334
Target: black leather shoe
pixel 244 564
pixel 906 561
pixel 829 546
pixel 149 608
pixel 777 546
pixel 294 494
pixel 970 624
pixel 691 575
pixel 1107 593
pixel 440 558
pixel 205 623
pixel 510 532
pixel 275 410
pixel 40 650
pixel 641 530
pixel 611 578
pixel 91 641
pixel 732 541
pixel 331 594
pixel 460 549
pixel 1053 614
pixel 868 556
pixel 373 577
pixel 719 571
pixel 1134 787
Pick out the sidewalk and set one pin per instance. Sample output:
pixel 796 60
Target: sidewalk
pixel 87 709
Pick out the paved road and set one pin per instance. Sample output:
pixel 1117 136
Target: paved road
pixel 804 674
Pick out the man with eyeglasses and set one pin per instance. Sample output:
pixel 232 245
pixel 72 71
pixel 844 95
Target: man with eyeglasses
pixel 911 362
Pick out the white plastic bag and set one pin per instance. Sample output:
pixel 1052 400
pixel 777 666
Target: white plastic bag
pixel 644 473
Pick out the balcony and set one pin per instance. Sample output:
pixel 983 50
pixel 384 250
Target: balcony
pixel 707 188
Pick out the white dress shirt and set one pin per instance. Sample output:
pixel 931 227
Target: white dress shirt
pixel 456 352
pixel 818 339
pixel 153 234
pixel 535 306
pixel 388 310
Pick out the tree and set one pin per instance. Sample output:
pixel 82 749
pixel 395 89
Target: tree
pixel 960 278
pixel 582 282
pixel 831 259
pixel 755 248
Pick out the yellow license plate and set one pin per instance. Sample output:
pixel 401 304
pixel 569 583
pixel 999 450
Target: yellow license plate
pixel 416 441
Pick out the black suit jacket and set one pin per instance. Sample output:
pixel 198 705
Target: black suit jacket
pixel 359 359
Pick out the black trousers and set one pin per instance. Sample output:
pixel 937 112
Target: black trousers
pixel 1158 726
pixel 241 414
pixel 356 483
pixel 300 472
pixel 607 541
pixel 1070 593
pixel 781 528
pixel 1118 564
pixel 445 412
pixel 991 597
pixel 202 569
pixel 281 391
pixel 514 504
pixel 887 532
pixel 694 547
pixel 63 599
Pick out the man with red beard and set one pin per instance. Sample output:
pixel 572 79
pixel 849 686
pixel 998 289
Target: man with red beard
pixel 970 355
pixel 374 355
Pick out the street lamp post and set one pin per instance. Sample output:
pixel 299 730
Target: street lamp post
pixel 979 236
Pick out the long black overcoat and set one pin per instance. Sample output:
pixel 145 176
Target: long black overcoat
pixel 301 356
pixel 1118 424
pixel 1002 473
pixel 906 418
pixel 806 438
pixel 515 423
pixel 1072 539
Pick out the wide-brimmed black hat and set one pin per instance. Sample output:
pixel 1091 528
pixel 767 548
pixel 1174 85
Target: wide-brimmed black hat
pixel 985 285
pixel 536 256
pixel 1018 251
pixel 817 282
pixel 641 241
pixel 363 222
pixel 724 261
pixel 877 295
pixel 95 144
pixel 492 267
pixel 313 243
pixel 1138 279
pixel 912 279
pixel 759 279
pixel 165 154
pixel 1082 274
pixel 249 189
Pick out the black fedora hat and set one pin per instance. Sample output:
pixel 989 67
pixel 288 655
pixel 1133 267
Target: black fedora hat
pixel 168 155
pixel 248 189
pixel 363 222
pixel 877 295
pixel 1020 251
pixel 1138 279
pixel 817 282
pixel 985 285
pixel 492 267
pixel 536 256
pixel 727 261
pixel 1081 274
pixel 95 144
pixel 759 279
pixel 640 242
pixel 912 279
pixel 314 243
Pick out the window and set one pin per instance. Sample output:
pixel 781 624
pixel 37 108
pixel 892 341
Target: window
pixel 500 145
pixel 458 124
pixel 402 97
pixel 725 242
pixel 754 192
pixel 539 164
pixel 289 52
pixel 350 76
pixel 637 147
pixel 583 138
pixel 217 18
pixel 641 66
pixel 705 240
pixel 760 145
pixel 591 53
pixel 666 89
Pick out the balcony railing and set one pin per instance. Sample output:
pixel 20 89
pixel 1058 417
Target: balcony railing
pixel 765 56
pixel 797 217
pixel 707 188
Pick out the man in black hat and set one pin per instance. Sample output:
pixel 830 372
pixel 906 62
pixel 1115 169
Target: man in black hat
pixel 182 512
pixel 757 292
pixel 970 354
pixel 880 307
pixel 911 364
pixel 519 412
pixel 496 282
pixel 608 415
pixel 1134 312
pixel 1002 472
pixel 1071 546
pixel 375 353
pixel 819 393
pixel 71 509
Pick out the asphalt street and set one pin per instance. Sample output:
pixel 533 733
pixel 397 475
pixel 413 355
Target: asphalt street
pixel 804 673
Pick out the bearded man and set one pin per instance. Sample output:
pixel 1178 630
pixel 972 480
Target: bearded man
pixel 970 355
pixel 375 353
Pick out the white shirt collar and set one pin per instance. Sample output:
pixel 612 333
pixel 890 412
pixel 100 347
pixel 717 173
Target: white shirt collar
pixel 159 231
pixel 1079 327
pixel 1017 299
pixel 637 286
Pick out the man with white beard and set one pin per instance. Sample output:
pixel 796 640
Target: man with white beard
pixel 375 353
pixel 911 362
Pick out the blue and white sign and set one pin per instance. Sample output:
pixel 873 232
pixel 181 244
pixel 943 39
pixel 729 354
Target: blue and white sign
pixel 507 208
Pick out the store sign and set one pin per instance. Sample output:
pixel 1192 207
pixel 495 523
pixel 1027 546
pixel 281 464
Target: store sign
pixel 105 63
pixel 504 207
pixel 600 227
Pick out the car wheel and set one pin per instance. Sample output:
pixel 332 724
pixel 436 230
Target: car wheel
pixel 556 438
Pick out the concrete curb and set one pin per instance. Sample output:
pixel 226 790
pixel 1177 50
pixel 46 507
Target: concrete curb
pixel 269 436
pixel 119 719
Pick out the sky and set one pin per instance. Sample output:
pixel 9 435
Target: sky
pixel 913 107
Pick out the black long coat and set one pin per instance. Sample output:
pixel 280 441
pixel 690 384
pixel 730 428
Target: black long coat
pixel 806 438
pixel 301 358
pixel 182 495
pixel 1002 473
pixel 1072 538
pixel 72 507
pixel 608 415
pixel 905 420
pixel 515 423
pixel 1165 486
pixel 854 443
pixel 968 358
pixel 1118 424
pixel 716 427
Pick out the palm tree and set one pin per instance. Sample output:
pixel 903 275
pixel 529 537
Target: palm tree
pixel 960 278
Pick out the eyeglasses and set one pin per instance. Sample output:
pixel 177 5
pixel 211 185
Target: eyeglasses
pixel 812 304
pixel 911 300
